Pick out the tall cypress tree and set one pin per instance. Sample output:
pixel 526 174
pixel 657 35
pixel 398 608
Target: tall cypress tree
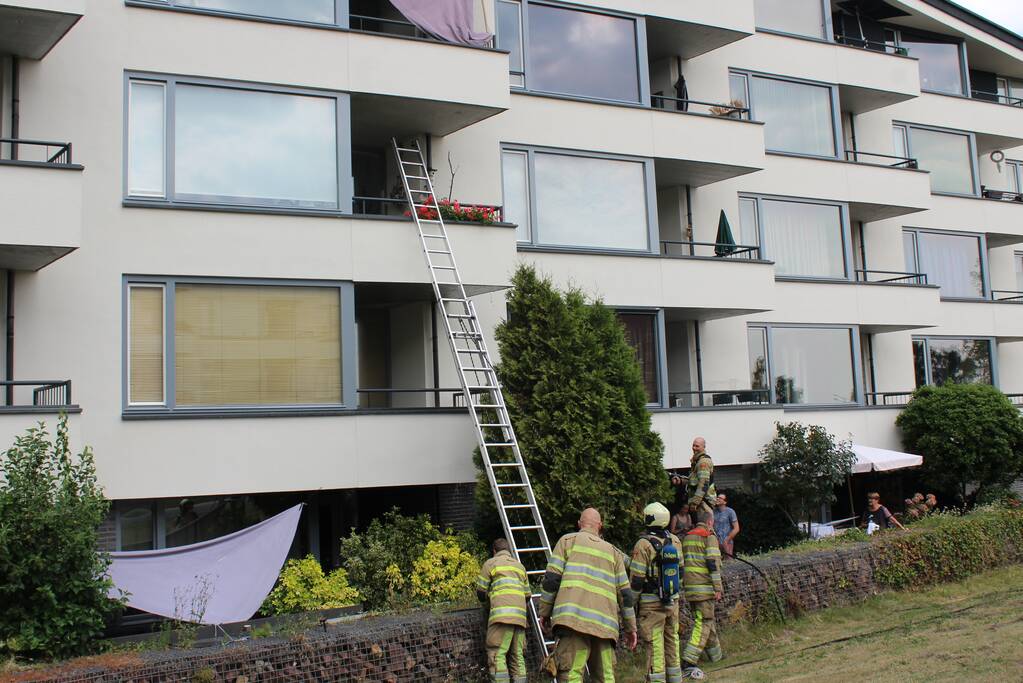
pixel 575 393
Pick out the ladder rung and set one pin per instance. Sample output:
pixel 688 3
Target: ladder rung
pixel 460 316
pixel 536 595
pixel 461 301
pixel 442 267
pixel 466 334
pixel 511 486
pixel 536 572
pixel 412 163
pixel 489 406
pixel 494 424
pixel 524 528
pixel 417 177
pixel 407 149
pixel 539 549
pixel 437 251
pixel 517 506
pixel 482 387
pixel 412 189
pixel 506 464
pixel 469 350
pixel 499 445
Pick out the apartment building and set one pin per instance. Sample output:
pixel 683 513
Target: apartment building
pixel 207 263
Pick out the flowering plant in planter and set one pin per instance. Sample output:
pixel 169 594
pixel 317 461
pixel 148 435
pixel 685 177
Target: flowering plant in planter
pixel 455 211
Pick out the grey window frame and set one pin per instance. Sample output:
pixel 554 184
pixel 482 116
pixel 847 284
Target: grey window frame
pixel 971 137
pixel 1015 167
pixel 349 357
pixel 964 68
pixel 836 112
pixel 847 254
pixel 653 245
pixel 341 13
pixel 661 352
pixel 855 360
pixel 522 40
pixel 981 245
pixel 642 67
pixel 343 143
pixel 829 29
pixel 926 338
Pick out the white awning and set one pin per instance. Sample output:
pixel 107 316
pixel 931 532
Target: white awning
pixel 870 459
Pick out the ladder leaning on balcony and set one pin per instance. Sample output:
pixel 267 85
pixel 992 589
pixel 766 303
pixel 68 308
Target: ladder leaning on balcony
pixel 502 459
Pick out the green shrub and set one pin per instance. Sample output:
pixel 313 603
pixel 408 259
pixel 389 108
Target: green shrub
pixel 444 572
pixel 303 587
pixel 53 584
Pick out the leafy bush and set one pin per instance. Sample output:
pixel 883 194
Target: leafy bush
pixel 966 433
pixel 444 571
pixel 763 525
pixel 302 587
pixel 53 584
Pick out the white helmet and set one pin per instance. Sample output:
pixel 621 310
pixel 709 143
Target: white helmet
pixel 656 515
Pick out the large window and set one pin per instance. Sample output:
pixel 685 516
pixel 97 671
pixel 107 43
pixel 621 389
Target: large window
pixel 948 155
pixel 199 345
pixel 798 17
pixel 798 117
pixel 569 51
pixel 939 360
pixel 1018 260
pixel 804 239
pixel 311 11
pixel 192 142
pixel 941 62
pixel 573 200
pixel 804 365
pixel 952 261
pixel 641 330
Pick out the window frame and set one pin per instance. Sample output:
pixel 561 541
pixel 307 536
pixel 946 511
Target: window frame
pixel 650 197
pixel 971 137
pixel 964 67
pixel 846 231
pixel 342 155
pixel 1017 263
pixel 127 334
pixel 838 139
pixel 1015 167
pixel 856 364
pixel 660 351
pixel 522 41
pixel 926 339
pixel 341 13
pixel 348 364
pixel 981 246
pixel 642 67
pixel 826 24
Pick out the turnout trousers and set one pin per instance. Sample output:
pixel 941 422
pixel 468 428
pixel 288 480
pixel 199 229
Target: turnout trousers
pixel 506 653
pixel 658 634
pixel 577 651
pixel 704 637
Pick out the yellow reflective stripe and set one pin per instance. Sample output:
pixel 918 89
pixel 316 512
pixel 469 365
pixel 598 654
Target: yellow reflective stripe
pixel 607 660
pixel 697 570
pixel 515 592
pixel 594 552
pixel 575 674
pixel 657 666
pixel 575 610
pixel 589 588
pixel 510 568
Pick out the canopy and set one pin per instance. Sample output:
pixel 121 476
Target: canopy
pixel 214 582
pixel 869 459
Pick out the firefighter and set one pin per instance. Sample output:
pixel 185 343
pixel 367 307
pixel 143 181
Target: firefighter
pixel 502 582
pixel 700 492
pixel 702 579
pixel 585 589
pixel 656 578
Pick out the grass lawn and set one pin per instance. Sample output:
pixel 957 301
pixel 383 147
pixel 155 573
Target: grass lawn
pixel 970 631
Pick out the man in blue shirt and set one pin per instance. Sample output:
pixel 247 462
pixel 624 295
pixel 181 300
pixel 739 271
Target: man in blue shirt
pixel 726 525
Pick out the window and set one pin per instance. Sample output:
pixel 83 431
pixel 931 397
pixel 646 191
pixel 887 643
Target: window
pixel 798 117
pixel 950 260
pixel 135 522
pixel 573 52
pixel 641 331
pixel 1018 260
pixel 572 200
pixel 806 365
pixel 804 239
pixel 799 17
pixel 941 62
pixel 939 360
pixel 948 155
pixel 234 345
pixel 1014 169
pixel 307 11
pixel 193 142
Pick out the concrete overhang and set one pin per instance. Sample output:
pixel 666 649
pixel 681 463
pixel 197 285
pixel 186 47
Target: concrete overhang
pixel 30 28
pixel 42 213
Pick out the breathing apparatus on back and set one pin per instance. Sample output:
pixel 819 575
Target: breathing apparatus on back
pixel 666 583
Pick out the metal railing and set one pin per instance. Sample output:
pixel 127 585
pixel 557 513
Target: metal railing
pixel 386 206
pixel 681 249
pixel 996 97
pixel 1015 399
pixel 436 397
pixel 891 276
pixel 875 45
pixel 887 398
pixel 1001 195
pixel 46 151
pixel 45 393
pixel 724 110
pixel 393 27
pixel 900 162
pixel 718 399
pixel 1007 295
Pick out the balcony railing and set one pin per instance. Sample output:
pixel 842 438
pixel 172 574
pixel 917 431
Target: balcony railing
pixel 888 398
pixel 681 249
pixel 387 206
pixel 894 277
pixel 439 397
pixel 1007 296
pixel 35 151
pixel 1001 195
pixel 45 393
pixel 728 110
pixel 876 159
pixel 718 399
pixel 1016 400
pixel 393 27
pixel 996 97
pixel 875 45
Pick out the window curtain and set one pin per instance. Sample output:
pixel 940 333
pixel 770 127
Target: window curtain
pixel 639 330
pixel 804 239
pixel 953 263
pixel 449 20
pixel 797 116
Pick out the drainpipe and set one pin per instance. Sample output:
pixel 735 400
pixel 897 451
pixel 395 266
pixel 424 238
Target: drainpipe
pixel 15 108
pixel 434 312
pixel 9 359
pixel 689 220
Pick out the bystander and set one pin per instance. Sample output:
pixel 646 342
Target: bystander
pixel 726 525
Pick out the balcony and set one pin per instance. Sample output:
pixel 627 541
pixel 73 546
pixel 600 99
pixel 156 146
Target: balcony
pixel 36 396
pixel 41 192
pixel 886 302
pixel 995 127
pixel 687 28
pixel 30 28
pixel 1001 220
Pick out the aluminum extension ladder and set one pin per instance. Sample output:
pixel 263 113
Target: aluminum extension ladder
pixel 502 459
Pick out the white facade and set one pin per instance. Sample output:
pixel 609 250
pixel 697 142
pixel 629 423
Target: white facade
pixel 212 149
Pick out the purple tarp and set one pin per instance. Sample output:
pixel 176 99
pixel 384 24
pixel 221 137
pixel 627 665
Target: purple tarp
pixel 213 582
pixel 450 20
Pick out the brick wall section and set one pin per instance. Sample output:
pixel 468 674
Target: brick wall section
pixel 424 647
pixel 456 506
pixel 106 535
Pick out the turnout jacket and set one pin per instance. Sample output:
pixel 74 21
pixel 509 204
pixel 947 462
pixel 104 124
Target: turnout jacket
pixel 585 587
pixel 700 487
pixel 643 566
pixel 702 571
pixel 502 581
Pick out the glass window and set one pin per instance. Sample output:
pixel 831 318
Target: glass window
pixel 582 53
pixel 800 17
pixel 193 520
pixel 948 156
pixel 758 358
pixel 641 332
pixel 749 232
pixel 952 262
pixel 941 68
pixel 804 240
pixel 900 145
pixel 315 11
pixel 959 361
pixel 738 89
pixel 1018 257
pixel 909 251
pixel 146 132
pixel 920 361
pixel 1014 169
pixel 812 365
pixel 136 526
pixel 145 344
pixel 515 176
pixel 509 37
pixel 798 117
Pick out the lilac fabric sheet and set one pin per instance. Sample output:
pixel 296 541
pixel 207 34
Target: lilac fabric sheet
pixel 213 582
pixel 450 20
